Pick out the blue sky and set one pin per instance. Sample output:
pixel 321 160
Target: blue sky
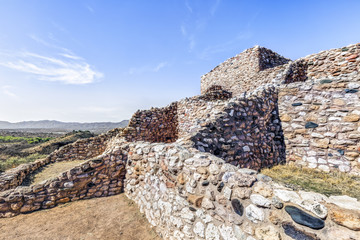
pixel 96 60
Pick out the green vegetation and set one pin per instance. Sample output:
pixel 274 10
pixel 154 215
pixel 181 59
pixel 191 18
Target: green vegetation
pixel 30 140
pixel 15 161
pixel 334 183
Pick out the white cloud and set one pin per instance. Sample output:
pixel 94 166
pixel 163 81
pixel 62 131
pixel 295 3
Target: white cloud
pixel 144 69
pixel 7 91
pixel 66 68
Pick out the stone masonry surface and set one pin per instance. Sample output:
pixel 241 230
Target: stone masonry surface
pixel 184 164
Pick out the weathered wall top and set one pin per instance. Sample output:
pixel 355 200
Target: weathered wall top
pixel 258 66
pixel 246 71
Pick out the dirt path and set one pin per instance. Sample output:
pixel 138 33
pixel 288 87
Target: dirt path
pixel 107 218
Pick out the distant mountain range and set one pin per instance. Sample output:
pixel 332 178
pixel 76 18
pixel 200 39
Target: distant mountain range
pixel 67 126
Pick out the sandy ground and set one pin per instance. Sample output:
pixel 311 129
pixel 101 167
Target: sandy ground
pixel 51 171
pixel 105 218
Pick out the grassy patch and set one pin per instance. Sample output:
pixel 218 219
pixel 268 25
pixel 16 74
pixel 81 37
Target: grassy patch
pixel 15 161
pixel 335 183
pixel 30 140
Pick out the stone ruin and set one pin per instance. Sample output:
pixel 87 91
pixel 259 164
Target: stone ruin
pixel 192 166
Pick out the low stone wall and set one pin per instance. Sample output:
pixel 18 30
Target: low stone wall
pixel 97 177
pixel 80 150
pixel 246 133
pixel 187 194
pixel 320 119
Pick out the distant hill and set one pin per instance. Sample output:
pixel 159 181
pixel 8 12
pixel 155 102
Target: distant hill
pixel 66 126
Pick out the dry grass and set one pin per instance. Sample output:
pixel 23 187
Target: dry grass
pixel 51 171
pixel 336 183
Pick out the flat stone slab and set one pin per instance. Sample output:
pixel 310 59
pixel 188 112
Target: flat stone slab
pixel 303 218
pixel 296 233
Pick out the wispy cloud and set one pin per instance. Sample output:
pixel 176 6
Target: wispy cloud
pixel 214 7
pixel 140 70
pixel 187 5
pixel 189 37
pixel 7 90
pixel 90 9
pixel 62 68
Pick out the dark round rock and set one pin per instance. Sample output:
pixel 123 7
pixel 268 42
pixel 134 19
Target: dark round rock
pixel 303 218
pixel 205 183
pixel 311 125
pixel 237 206
pixel 220 187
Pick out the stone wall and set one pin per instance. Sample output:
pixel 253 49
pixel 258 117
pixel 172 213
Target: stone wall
pixel 320 119
pixel 246 71
pixel 320 114
pixel 154 125
pixel 97 177
pixel 187 194
pixel 318 101
pixel 194 112
pixel 247 132
pixel 80 150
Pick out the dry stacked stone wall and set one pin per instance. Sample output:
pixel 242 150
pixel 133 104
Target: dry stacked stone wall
pixel 320 117
pixel 154 125
pixel 246 71
pixel 195 112
pixel 80 150
pixel 318 101
pixel 247 133
pixel 187 194
pixel 97 177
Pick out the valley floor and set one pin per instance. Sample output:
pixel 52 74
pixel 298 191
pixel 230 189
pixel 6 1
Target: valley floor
pixel 114 217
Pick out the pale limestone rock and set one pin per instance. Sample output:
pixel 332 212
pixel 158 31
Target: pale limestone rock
pixel 254 213
pixel 207 204
pixel 227 193
pixel 227 232
pixel 345 202
pixel 260 201
pixel 239 234
pixel 211 232
pixel 199 229
pixel 267 233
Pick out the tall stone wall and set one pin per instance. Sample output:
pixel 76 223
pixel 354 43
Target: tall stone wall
pixel 195 112
pixel 246 71
pixel 320 116
pixel 186 194
pixel 154 125
pixel 247 133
